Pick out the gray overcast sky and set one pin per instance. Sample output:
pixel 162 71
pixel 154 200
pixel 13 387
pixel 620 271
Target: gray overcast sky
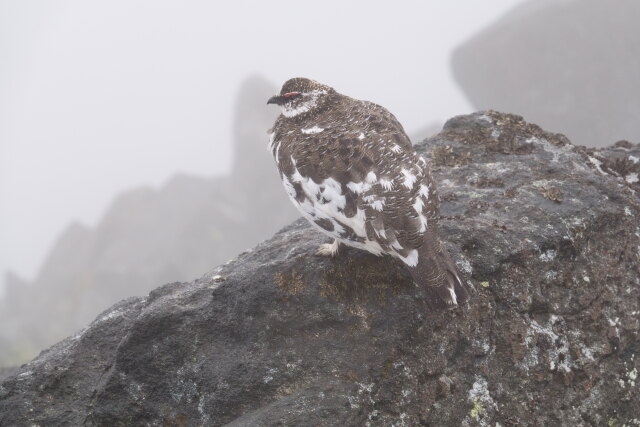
pixel 100 96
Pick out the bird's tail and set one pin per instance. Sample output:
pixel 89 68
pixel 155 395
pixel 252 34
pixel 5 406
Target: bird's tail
pixel 438 276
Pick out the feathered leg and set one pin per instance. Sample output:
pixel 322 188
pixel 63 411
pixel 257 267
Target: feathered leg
pixel 328 249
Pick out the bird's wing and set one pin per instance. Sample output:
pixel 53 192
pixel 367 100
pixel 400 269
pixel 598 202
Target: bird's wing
pixel 382 185
pixel 402 200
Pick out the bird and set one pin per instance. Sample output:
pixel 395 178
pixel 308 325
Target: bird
pixel 351 170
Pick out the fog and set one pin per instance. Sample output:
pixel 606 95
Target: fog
pixel 100 97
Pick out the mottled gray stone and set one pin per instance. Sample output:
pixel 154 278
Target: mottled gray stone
pixel 280 336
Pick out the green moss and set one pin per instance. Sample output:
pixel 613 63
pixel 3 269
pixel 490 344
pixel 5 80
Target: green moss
pixel 612 422
pixel 484 284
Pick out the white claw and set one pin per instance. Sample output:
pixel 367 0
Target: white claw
pixel 328 249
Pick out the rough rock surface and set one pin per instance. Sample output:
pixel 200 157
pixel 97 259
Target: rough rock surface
pixel 572 66
pixel 280 336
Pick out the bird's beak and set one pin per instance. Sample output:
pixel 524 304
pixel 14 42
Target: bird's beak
pixel 278 100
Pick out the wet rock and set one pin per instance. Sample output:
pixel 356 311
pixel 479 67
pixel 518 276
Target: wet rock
pixel 290 338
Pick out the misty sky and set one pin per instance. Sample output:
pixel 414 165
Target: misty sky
pixel 100 96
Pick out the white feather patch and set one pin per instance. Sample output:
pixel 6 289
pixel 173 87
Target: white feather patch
pixel 325 200
pixel 411 260
pixel 377 205
pixel 312 130
pixel 358 187
pixel 277 153
pixel 381 233
pixel 330 208
pixel 409 178
pixel 303 107
pixel 371 178
pixel 332 192
pixel 386 184
pixel 369 246
pixel 396 245
pixel 424 191
pixel 418 205
pixel 454 298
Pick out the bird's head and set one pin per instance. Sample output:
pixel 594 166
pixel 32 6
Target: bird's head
pixel 300 95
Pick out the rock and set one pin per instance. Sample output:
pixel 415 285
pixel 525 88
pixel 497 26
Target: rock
pixel 280 336
pixel 151 236
pixel 571 66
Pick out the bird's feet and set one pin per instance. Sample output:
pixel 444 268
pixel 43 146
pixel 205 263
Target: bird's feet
pixel 328 249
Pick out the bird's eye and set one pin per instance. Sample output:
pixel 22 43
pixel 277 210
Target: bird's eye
pixel 290 94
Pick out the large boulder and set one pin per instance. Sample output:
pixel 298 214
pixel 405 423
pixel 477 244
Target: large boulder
pixel 547 232
pixel 573 66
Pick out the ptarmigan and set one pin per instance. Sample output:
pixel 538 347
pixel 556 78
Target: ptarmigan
pixel 351 170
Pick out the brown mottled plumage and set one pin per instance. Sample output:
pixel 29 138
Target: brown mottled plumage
pixel 351 170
